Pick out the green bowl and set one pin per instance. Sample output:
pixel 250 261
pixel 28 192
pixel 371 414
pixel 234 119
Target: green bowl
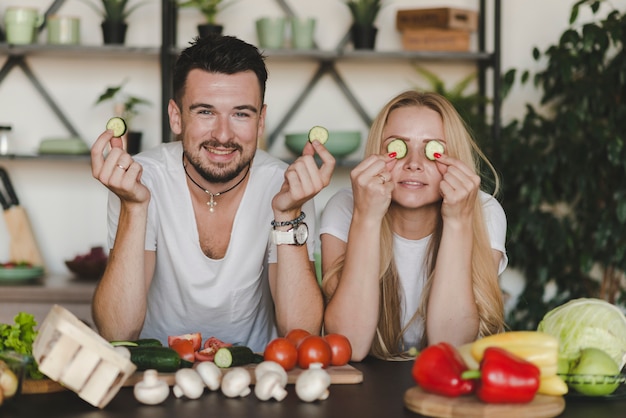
pixel 340 143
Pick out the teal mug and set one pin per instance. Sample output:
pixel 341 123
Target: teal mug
pixel 302 32
pixel 21 24
pixel 271 32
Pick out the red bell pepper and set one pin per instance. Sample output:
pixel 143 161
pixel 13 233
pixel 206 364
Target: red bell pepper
pixel 506 378
pixel 438 369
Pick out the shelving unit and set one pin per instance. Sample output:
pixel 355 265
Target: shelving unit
pixel 326 63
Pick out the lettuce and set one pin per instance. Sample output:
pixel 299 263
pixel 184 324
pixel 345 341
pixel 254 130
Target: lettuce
pixel 584 323
pixel 19 337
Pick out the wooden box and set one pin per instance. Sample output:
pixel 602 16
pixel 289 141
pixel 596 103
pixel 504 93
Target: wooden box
pixel 69 352
pixel 435 40
pixel 443 18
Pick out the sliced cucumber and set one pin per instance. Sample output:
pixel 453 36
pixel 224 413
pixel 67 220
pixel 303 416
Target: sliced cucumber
pixel 318 133
pixel 399 147
pixel 433 147
pixel 117 125
pixel 233 356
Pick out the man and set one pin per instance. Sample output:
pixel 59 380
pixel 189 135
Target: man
pixel 190 221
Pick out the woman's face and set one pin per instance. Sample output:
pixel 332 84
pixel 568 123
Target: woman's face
pixel 416 178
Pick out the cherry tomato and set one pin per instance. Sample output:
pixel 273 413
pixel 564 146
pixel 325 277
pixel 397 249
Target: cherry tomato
pixel 297 335
pixel 185 350
pixel 283 352
pixel 314 349
pixel 341 349
pixel 195 338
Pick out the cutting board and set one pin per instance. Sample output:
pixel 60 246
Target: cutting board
pixel 338 375
pixel 430 405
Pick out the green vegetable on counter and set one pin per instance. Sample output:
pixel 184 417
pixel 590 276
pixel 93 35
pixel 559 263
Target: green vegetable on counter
pixel 19 337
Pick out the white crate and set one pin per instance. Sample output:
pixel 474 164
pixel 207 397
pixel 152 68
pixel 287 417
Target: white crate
pixel 69 352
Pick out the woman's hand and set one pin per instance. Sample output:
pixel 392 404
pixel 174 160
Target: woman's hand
pixel 372 185
pixel 117 170
pixel 459 188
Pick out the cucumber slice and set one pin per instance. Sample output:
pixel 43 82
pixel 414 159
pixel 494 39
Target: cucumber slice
pixel 433 147
pixel 399 147
pixel 318 133
pixel 117 125
pixel 233 356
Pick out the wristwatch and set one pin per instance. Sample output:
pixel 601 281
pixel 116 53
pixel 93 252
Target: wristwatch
pixel 295 236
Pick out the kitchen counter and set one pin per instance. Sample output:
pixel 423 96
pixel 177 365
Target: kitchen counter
pixel 379 395
pixel 38 296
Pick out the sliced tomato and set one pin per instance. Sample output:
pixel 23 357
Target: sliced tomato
pixel 185 350
pixel 211 345
pixel 194 337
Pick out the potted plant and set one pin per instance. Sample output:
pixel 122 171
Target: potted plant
pixel 114 14
pixel 209 9
pixel 563 170
pixel 125 106
pixel 364 13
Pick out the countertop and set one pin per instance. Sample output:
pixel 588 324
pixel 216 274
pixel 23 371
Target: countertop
pixel 58 289
pixel 379 395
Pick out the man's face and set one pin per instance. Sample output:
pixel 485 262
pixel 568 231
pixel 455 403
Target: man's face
pixel 219 122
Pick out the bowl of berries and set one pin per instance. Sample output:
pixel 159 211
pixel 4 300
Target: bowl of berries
pixel 90 265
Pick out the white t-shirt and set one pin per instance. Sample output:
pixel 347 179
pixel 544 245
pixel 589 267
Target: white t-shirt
pixel 409 254
pixel 227 298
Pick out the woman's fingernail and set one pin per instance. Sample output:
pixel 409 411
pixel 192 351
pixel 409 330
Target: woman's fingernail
pixel 437 155
pixel 392 154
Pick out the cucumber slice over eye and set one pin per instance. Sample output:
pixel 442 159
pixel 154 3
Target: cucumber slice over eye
pixel 433 147
pixel 399 147
pixel 117 125
pixel 318 133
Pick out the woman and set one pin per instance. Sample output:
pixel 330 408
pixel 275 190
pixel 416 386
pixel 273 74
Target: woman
pixel 412 253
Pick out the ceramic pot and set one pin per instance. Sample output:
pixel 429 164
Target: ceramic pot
pixel 363 37
pixel 114 33
pixel 210 29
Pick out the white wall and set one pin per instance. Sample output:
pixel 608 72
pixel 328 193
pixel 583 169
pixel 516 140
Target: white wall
pixel 67 206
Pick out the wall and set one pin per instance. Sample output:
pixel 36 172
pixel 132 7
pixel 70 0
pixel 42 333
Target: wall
pixel 67 206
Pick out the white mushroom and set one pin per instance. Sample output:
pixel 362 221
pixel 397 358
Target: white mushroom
pixel 151 390
pixel 188 383
pixel 8 381
pixel 269 385
pixel 124 351
pixel 313 383
pixel 270 366
pixel 211 374
pixel 236 382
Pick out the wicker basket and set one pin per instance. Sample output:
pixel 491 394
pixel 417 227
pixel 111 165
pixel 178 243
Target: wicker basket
pixel 69 352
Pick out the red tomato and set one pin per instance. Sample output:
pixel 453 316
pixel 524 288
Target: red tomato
pixel 297 335
pixel 211 345
pixel 195 338
pixel 314 349
pixel 283 352
pixel 184 348
pixel 341 349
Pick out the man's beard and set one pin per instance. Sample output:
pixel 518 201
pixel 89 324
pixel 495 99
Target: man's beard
pixel 219 172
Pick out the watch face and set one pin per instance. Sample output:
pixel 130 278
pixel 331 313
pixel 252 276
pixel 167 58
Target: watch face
pixel 301 233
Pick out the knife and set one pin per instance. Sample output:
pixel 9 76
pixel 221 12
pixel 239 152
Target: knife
pixel 11 197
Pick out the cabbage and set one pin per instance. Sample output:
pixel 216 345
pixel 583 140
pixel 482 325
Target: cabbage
pixel 584 323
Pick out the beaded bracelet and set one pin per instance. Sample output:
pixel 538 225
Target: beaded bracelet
pixel 293 222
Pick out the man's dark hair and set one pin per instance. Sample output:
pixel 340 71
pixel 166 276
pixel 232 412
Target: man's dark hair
pixel 218 54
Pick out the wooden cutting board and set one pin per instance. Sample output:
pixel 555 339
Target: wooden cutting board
pixel 339 375
pixel 431 405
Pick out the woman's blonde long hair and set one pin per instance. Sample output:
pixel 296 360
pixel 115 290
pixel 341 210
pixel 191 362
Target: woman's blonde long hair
pixel 460 145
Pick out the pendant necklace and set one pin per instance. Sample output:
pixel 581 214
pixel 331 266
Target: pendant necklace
pixel 212 203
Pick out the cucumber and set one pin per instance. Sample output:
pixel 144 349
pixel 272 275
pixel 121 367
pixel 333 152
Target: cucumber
pixel 433 147
pixel 117 125
pixel 162 359
pixel 399 147
pixel 233 356
pixel 318 133
pixel 142 342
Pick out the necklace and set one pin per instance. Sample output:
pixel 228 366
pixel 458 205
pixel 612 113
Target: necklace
pixel 212 203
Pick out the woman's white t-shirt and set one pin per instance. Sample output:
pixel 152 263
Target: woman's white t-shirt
pixel 409 254
pixel 227 298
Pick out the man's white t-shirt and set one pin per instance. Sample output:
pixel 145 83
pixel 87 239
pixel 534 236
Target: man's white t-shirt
pixel 227 298
pixel 409 255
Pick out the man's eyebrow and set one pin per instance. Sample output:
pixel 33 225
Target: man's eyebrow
pixel 211 107
pixel 247 107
